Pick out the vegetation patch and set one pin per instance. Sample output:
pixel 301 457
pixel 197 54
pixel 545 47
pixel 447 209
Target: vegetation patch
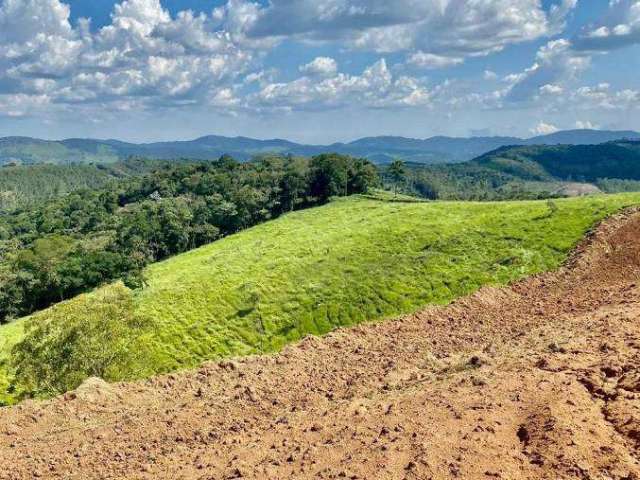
pixel 353 260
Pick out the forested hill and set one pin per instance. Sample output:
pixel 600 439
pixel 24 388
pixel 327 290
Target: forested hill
pixel 588 163
pixel 519 172
pixel 381 149
pixel 23 186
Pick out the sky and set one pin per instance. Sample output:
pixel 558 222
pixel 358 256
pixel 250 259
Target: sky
pixel 316 71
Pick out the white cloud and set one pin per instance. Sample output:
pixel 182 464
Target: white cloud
pixel 375 87
pixel 325 66
pixel 20 105
pixel 452 28
pixel 604 98
pixel 559 11
pixel 139 16
pixel 146 58
pixel 143 57
pixel 23 21
pixel 556 63
pixel 620 28
pixel 561 61
pixel 543 128
pixel 550 89
pixel 431 61
pixel 585 125
pixel 489 75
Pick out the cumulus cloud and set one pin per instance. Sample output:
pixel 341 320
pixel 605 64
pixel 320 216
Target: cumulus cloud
pixel 489 75
pixel 431 61
pixel 603 97
pixel 36 41
pixel 144 56
pixel 375 87
pixel 551 89
pixel 556 62
pixel 20 105
pixel 325 66
pixel 441 27
pixel 563 60
pixel 585 125
pixel 23 21
pixel 621 27
pixel 543 128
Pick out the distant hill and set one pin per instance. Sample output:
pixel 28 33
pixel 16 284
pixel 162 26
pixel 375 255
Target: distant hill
pixel 619 159
pixel 23 186
pixel 532 171
pixel 434 150
pixel 582 137
pixel 28 151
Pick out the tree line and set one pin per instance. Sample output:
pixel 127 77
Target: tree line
pixel 68 245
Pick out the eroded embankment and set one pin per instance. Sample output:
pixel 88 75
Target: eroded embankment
pixel 538 380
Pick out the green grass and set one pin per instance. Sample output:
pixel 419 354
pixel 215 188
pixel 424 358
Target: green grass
pixel 353 260
pixel 9 336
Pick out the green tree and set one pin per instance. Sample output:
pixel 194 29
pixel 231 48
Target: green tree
pixel 294 183
pixel 97 335
pixel 329 176
pixel 398 174
pixel 363 175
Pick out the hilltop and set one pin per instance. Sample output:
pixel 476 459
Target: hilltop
pixel 620 159
pixel 353 260
pixel 439 149
pixel 542 375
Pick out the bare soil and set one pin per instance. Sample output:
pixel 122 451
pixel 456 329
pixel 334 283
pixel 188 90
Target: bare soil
pixel 540 380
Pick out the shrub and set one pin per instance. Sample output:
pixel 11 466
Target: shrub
pixel 91 336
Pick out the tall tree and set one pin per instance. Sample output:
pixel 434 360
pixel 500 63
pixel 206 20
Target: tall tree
pixel 398 174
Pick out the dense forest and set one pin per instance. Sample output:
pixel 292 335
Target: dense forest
pixel 26 186
pixel 72 243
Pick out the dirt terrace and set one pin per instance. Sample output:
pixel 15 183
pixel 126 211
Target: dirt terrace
pixel 540 380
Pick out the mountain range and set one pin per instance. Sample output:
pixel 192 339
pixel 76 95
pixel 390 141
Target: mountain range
pixel 382 149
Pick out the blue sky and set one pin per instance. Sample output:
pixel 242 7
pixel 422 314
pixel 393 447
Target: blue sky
pixel 316 70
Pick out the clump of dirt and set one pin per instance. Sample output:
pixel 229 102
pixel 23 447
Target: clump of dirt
pixel 93 390
pixel 535 381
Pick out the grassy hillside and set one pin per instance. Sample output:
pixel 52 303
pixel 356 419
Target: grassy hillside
pixel 353 260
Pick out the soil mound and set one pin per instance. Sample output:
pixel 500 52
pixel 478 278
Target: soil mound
pixel 93 390
pixel 535 381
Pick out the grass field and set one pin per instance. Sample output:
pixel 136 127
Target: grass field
pixel 353 260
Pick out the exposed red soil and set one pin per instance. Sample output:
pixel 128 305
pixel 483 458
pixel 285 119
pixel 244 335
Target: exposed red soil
pixel 540 380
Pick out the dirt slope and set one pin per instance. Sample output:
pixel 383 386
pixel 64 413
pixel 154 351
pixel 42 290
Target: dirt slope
pixel 537 381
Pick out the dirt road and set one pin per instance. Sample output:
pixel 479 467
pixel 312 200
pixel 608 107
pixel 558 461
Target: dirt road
pixel 540 380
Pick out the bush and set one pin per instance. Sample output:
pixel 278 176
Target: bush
pixel 91 336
